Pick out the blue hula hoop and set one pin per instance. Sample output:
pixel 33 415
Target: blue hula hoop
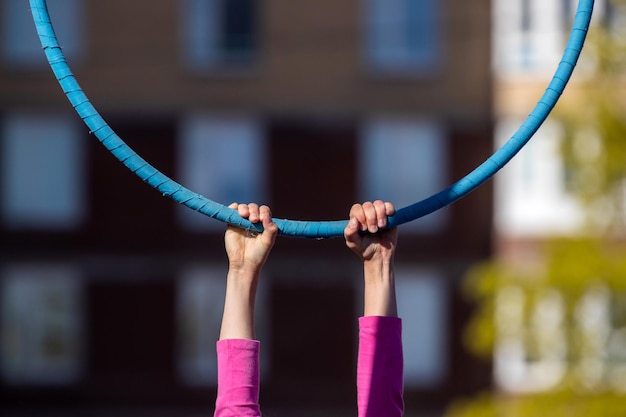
pixel 312 229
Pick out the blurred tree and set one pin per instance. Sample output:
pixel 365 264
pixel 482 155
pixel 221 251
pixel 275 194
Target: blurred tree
pixel 556 329
pixel 595 125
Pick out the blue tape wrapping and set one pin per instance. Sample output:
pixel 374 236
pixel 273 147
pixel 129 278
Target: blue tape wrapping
pixel 295 228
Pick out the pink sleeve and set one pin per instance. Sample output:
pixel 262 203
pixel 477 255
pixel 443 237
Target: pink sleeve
pixel 237 378
pixel 379 371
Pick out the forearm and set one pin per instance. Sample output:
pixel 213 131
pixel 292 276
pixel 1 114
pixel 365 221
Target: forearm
pixel 237 378
pixel 238 318
pixel 380 363
pixel 380 290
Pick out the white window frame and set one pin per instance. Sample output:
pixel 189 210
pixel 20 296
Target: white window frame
pixel 535 48
pixel 530 194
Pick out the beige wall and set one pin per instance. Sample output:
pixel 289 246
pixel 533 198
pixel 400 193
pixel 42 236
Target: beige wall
pixel 310 61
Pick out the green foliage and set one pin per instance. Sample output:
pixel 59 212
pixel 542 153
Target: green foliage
pixel 594 146
pixel 572 273
pixel 481 284
pixel 557 404
pixel 571 267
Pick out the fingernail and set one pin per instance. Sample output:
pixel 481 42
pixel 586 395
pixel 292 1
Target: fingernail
pixel 381 222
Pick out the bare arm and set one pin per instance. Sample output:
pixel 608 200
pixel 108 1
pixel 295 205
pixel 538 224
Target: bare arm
pixel 376 249
pixel 380 362
pixel 247 254
pixel 237 351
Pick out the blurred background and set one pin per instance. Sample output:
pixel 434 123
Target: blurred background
pixel 513 299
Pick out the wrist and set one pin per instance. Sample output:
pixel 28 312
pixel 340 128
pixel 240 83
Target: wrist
pixel 379 268
pixel 380 292
pixel 238 316
pixel 240 293
pixel 242 278
pixel 243 270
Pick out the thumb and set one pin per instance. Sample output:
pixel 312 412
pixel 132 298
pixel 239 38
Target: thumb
pixel 351 232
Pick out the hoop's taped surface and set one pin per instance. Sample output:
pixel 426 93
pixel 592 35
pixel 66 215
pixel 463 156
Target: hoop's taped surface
pixel 177 192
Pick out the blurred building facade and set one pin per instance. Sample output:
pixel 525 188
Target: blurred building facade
pixel 535 203
pixel 531 199
pixel 111 295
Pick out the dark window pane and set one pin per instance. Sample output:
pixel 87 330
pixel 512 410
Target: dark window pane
pixel 526 16
pixel 239 31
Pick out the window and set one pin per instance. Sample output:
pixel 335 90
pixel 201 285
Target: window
pixel 613 16
pixel 541 335
pixel 219 33
pixel 199 305
pixel 528 35
pixel 42 172
pixel 21 46
pixel 40 324
pixel 222 158
pixel 515 367
pixel 422 306
pixel 568 9
pixel 531 197
pixel 403 161
pixel 402 36
pixel 525 23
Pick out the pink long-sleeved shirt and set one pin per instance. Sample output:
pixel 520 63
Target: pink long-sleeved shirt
pixel 379 372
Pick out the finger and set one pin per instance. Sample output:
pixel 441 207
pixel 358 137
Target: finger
pixel 390 210
pixel 351 231
pixel 265 211
pixel 243 210
pixel 381 213
pixel 270 229
pixel 254 212
pixel 357 213
pixel 370 217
